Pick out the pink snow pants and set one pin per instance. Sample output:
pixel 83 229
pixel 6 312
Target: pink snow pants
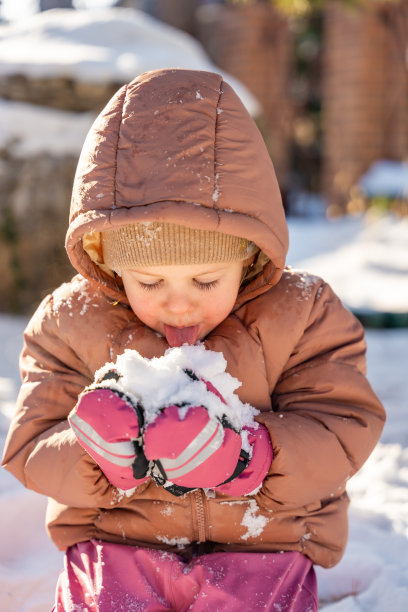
pixel 106 577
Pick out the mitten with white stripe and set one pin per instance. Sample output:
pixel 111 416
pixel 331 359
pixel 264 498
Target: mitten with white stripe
pixel 109 425
pixel 189 449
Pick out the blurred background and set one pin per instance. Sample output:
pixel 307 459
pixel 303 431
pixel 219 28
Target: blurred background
pixel 326 82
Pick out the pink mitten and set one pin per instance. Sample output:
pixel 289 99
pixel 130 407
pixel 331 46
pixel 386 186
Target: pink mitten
pixel 108 425
pixel 193 451
pixel 254 474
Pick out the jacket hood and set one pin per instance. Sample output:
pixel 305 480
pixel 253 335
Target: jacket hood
pixel 178 146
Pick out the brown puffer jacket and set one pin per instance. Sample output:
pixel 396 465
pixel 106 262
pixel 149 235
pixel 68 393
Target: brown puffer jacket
pixel 177 145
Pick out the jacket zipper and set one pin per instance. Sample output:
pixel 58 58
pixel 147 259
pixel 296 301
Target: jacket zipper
pixel 200 513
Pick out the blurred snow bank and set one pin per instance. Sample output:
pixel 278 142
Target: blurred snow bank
pixel 28 130
pixel 106 45
pixel 385 178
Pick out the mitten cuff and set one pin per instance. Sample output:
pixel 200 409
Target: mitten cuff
pixel 253 476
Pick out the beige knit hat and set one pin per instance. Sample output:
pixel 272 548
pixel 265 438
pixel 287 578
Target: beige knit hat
pixel 156 243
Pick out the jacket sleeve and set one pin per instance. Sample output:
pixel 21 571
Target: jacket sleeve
pixel 326 419
pixel 41 450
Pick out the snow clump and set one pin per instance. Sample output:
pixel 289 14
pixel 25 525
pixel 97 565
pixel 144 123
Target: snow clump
pixel 167 380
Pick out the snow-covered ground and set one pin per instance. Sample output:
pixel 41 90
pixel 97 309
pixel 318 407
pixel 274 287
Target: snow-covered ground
pixel 373 574
pixel 365 259
pixel 29 562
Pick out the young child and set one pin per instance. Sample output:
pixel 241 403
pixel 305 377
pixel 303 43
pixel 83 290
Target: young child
pixel 179 237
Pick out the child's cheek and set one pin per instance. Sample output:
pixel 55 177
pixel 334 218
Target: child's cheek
pixel 140 306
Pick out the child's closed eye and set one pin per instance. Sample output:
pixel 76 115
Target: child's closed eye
pixel 206 286
pixel 203 286
pixel 151 286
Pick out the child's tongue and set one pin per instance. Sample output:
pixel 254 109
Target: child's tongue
pixel 177 336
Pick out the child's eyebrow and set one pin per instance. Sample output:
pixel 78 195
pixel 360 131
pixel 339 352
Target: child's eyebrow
pixel 209 272
pixel 143 273
pixel 159 275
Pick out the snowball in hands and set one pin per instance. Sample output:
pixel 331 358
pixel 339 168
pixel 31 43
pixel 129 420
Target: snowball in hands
pixel 192 436
pixel 162 381
pixel 194 430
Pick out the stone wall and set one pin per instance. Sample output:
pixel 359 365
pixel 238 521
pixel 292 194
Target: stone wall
pixel 33 221
pixel 62 93
pixel 36 192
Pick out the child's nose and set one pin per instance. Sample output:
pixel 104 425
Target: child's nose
pixel 178 302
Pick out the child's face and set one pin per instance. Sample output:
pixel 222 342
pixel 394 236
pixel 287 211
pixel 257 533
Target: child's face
pixel 183 302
